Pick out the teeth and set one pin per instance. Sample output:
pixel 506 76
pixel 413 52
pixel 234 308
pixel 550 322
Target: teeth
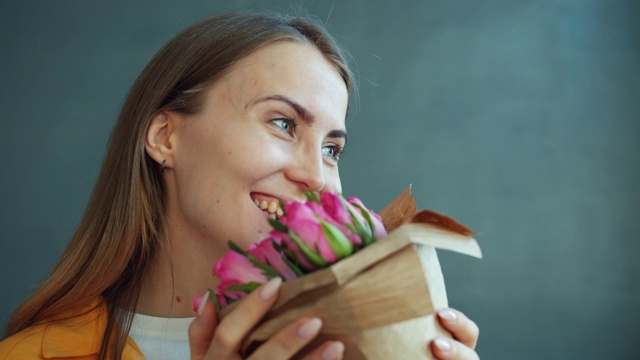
pixel 273 207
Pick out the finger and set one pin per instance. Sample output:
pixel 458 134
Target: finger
pixel 463 329
pixel 202 328
pixel 449 349
pixel 233 328
pixel 330 350
pixel 288 341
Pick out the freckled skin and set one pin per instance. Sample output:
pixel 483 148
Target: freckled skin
pixel 246 140
pixel 259 156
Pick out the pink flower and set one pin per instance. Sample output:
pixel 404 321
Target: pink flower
pixel 333 205
pixel 375 220
pixel 196 303
pixel 265 252
pixel 296 254
pixel 308 236
pixel 235 267
pixel 225 291
pixel 233 270
pixel 221 299
pixel 302 221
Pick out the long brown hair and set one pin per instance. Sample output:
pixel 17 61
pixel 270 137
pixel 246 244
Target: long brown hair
pixel 120 231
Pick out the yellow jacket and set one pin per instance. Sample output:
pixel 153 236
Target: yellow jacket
pixel 75 338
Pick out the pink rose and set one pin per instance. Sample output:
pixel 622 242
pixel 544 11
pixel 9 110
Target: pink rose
pixel 235 270
pixel 335 207
pixel 308 236
pixel 196 303
pixel 374 220
pixel 265 252
pixel 225 292
pixel 304 224
pixel 295 254
pixel 235 267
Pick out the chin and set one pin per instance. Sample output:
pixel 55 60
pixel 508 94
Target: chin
pixel 262 232
pixel 252 235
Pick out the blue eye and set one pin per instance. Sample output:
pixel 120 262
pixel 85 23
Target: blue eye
pixel 285 124
pixel 332 152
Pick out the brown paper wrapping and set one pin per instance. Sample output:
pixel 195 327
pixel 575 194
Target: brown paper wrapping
pixel 381 301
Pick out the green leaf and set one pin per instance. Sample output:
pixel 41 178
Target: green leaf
pixel 278 225
pixel 267 270
pixel 233 246
pixel 311 196
pixel 314 257
pixel 245 288
pixel 283 255
pixel 296 270
pixel 338 241
pixel 367 216
pixel 215 300
pixel 363 231
pixel 290 256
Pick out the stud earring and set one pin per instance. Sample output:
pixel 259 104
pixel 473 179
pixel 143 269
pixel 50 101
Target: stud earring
pixel 164 166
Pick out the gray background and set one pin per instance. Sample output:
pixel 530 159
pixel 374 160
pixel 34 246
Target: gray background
pixel 518 118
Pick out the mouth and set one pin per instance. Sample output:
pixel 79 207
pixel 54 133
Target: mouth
pixel 268 204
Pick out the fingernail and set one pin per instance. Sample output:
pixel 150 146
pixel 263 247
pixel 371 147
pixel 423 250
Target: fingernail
pixel 310 328
pixel 443 345
pixel 333 351
pixel 270 289
pixel 448 315
pixel 203 303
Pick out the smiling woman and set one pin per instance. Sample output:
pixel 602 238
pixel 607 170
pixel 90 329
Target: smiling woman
pixel 271 133
pixel 234 115
pixel 274 138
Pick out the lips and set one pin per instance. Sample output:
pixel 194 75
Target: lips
pixel 268 204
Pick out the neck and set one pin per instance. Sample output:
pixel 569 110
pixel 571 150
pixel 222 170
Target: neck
pixel 180 271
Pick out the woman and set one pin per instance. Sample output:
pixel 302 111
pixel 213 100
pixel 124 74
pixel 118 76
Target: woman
pixel 236 110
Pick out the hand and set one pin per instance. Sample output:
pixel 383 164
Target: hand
pixel 213 339
pixel 465 333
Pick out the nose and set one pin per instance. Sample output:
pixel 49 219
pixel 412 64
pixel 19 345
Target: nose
pixel 307 170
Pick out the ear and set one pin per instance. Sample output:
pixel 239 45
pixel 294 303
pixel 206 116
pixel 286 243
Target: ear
pixel 160 140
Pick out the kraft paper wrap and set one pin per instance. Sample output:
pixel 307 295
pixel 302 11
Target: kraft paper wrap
pixel 381 301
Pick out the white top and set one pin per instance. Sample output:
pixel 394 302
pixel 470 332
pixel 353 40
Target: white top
pixel 161 338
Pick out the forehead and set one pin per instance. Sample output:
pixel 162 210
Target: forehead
pixel 295 70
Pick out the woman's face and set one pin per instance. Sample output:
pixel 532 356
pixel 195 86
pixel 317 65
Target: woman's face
pixel 270 129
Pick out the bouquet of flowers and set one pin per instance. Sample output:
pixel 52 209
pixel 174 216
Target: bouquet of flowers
pixel 377 297
pixel 308 236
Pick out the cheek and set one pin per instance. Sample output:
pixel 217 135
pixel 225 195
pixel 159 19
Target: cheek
pixel 262 157
pixel 332 181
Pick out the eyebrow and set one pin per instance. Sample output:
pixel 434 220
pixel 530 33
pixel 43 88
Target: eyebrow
pixel 304 114
pixel 338 134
